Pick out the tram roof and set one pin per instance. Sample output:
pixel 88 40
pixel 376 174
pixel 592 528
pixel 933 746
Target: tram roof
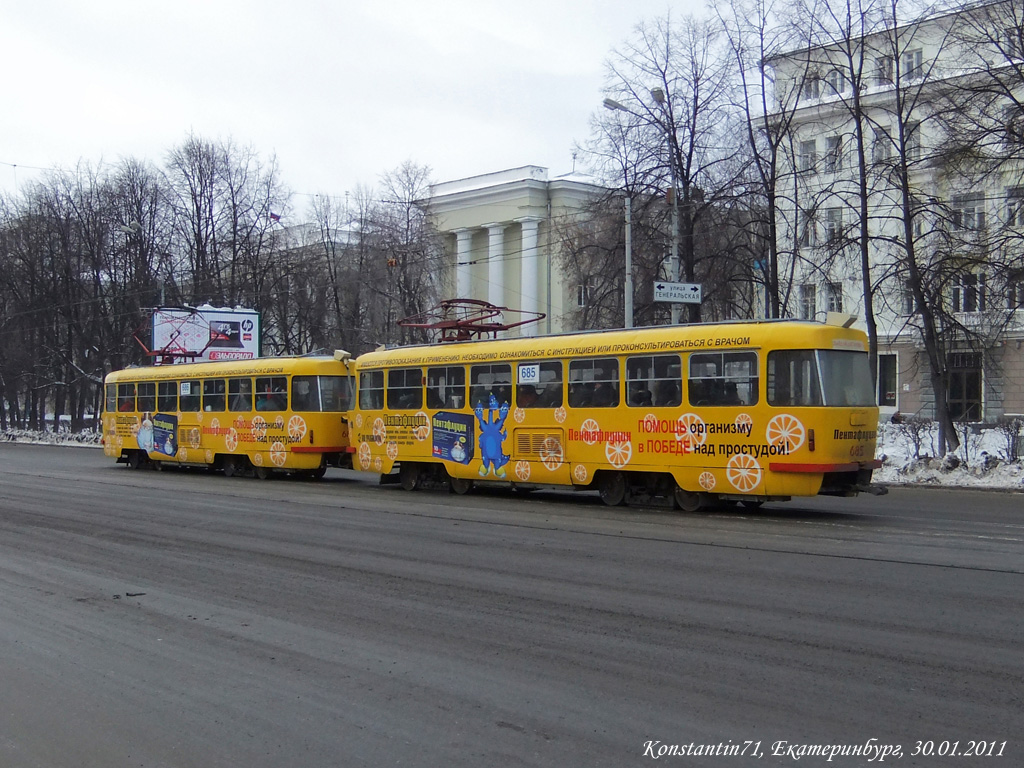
pixel 652 339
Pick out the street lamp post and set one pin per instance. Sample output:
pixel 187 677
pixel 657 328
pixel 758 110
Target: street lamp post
pixel 659 98
pixel 628 287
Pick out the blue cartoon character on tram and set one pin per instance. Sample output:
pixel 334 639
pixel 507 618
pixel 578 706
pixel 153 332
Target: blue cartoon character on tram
pixel 492 435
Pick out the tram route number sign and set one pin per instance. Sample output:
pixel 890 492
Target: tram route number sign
pixel 677 293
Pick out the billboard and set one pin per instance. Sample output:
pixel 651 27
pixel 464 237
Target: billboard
pixel 206 333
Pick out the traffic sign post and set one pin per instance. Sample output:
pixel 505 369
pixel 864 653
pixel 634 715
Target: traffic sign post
pixel 677 293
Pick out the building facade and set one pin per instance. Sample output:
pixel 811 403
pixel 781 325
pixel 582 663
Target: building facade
pixel 918 103
pixel 500 233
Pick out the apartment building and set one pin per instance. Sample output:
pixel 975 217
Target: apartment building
pixel 907 99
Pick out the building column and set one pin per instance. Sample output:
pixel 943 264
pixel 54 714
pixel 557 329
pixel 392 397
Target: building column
pixel 463 261
pixel 530 301
pixel 496 264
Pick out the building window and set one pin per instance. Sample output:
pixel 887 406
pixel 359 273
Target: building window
pixel 1014 139
pixel 833 225
pixel 881 147
pixel 1014 295
pixel 835 297
pixel 808 230
pixel 1015 207
pixel 912 65
pixel 808 155
pixel 836 81
pixel 907 303
pixel 1013 42
pixel 967 212
pixel 964 394
pixel 582 294
pixel 808 301
pixel 913 136
pixel 887 380
pixel 883 70
pixel 833 153
pixel 969 292
pixel 811 87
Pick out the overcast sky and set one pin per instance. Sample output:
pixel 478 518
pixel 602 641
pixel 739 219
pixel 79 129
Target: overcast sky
pixel 340 91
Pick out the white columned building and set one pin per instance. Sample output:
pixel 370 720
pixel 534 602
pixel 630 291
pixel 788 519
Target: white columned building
pixel 501 240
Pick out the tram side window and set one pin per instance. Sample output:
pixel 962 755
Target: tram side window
pixel 335 393
pixel 653 380
pixel 189 400
pixel 723 378
pixel 240 395
pixel 214 398
pixel 126 397
pixel 272 393
pixel 546 392
pixel 371 390
pixel 167 396
pixel 446 387
pixel 147 396
pixel 793 378
pixel 110 399
pixel 405 389
pixel 487 380
pixel 594 383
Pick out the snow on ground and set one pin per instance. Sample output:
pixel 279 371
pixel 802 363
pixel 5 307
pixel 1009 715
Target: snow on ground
pixel 986 458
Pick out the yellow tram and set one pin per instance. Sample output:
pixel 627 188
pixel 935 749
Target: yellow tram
pixel 745 411
pixel 252 417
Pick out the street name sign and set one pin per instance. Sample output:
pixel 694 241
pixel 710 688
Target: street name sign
pixel 677 293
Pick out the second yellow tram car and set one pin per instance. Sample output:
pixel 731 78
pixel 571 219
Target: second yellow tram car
pixel 253 417
pixel 749 411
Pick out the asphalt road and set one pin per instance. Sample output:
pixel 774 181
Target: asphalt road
pixel 186 619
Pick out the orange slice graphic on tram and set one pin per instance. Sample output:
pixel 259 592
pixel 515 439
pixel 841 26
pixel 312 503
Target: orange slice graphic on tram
pixel 588 430
pixel 743 472
pixel 392 450
pixel 706 480
pixel 579 473
pixel 786 430
pixel 259 426
pixel 279 422
pixel 364 455
pixel 277 453
pixel 744 420
pixel 551 454
pixel 560 414
pixel 422 429
pixel 296 427
pixel 231 440
pixel 215 423
pixel 691 430
pixel 523 470
pixel 519 415
pixel 194 437
pixel 359 421
pixel 380 432
pixel 378 463
pixel 257 459
pixel 618 452
pixel 209 456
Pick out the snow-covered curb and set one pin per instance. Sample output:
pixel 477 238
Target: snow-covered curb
pixel 73 439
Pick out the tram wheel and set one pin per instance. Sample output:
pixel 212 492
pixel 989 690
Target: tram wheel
pixel 751 504
pixel 263 473
pixel 319 472
pixel 410 476
pixel 231 468
pixel 687 501
pixel 136 460
pixel 612 488
pixel 460 485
